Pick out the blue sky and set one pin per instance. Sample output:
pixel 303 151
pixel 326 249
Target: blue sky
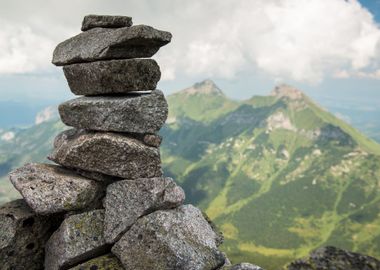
pixel 373 6
pixel 328 48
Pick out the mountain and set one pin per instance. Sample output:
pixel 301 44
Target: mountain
pixel 280 175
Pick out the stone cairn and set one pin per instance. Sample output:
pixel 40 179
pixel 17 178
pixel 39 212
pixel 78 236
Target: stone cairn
pixel 106 205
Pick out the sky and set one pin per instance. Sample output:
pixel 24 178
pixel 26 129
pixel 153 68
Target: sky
pixel 328 48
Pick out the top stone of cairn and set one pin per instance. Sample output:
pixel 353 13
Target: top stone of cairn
pixel 139 41
pixel 105 21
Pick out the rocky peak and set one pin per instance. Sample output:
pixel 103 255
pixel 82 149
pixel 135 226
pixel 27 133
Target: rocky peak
pixel 287 91
pixel 207 87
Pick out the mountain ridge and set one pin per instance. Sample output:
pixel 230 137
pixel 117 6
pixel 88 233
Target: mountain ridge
pixel 308 177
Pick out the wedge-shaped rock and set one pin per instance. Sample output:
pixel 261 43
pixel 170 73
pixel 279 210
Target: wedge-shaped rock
pixel 52 189
pixel 105 21
pixel 23 236
pixel 112 77
pixel 105 262
pixel 96 44
pixel 107 153
pixel 133 113
pixel 78 239
pixel 128 200
pixel 173 239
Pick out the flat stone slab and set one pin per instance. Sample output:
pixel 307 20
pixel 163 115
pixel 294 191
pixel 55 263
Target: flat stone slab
pixel 105 262
pixel 128 200
pixel 140 41
pixel 52 189
pixel 112 77
pixel 105 21
pixel 23 236
pixel 145 113
pixel 173 239
pixel 107 153
pixel 78 239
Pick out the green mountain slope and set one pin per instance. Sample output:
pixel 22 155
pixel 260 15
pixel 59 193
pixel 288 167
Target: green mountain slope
pixel 279 175
pixel 29 145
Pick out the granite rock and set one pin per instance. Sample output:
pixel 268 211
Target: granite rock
pixel 100 177
pixel 128 200
pixel 172 239
pixel 78 239
pixel 131 114
pixel 107 153
pixel 243 266
pixel 23 236
pixel 219 234
pixel 335 258
pixel 105 21
pixel 152 140
pixel 112 77
pixel 96 44
pixel 105 262
pixel 52 189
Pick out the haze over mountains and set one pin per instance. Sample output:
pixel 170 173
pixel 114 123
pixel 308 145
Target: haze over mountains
pixel 279 174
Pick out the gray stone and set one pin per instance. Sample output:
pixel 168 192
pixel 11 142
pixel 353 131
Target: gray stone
pixel 106 179
pixel 96 44
pixel 132 114
pixel 220 237
pixel 23 236
pixel 107 153
pixel 112 77
pixel 243 266
pixel 52 189
pixel 128 200
pixel 152 140
pixel 105 21
pixel 79 238
pixel 335 258
pixel 173 239
pixel 105 262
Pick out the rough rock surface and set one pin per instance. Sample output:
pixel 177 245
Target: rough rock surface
pixel 105 21
pixel 78 239
pixel 128 200
pixel 243 266
pixel 96 44
pixel 133 113
pixel 52 189
pixel 107 153
pixel 326 258
pixel 152 140
pixel 112 77
pixel 173 239
pixel 107 179
pixel 23 235
pixel 219 234
pixel 105 262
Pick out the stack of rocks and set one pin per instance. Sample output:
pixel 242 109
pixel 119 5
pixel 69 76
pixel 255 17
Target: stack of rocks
pixel 106 205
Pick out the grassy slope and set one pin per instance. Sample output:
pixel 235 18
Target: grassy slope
pixel 277 194
pixel 31 145
pixel 297 200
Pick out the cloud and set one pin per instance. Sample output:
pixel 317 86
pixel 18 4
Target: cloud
pixel 289 39
pixel 306 41
pixel 22 50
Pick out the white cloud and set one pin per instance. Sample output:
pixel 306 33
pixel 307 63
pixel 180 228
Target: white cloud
pixel 297 40
pixel 22 50
pixel 289 39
